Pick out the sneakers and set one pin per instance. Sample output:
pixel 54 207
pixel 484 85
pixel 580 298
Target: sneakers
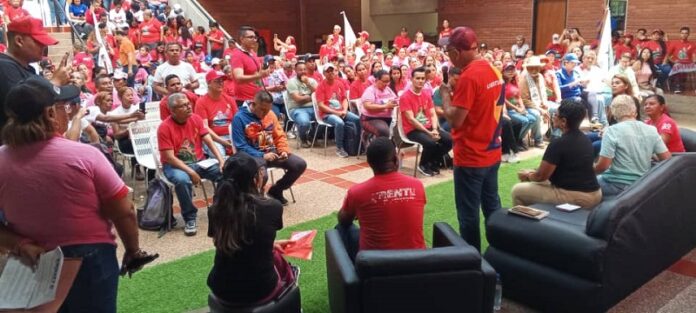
pixel 341 153
pixel 513 158
pixel 291 135
pixel 434 168
pixel 305 144
pixel 191 228
pixel 425 171
pixel 278 195
pixel 505 157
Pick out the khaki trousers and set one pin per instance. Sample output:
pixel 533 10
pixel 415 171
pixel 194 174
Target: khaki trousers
pixel 529 193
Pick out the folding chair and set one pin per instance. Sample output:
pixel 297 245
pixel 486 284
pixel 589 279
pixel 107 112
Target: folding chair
pixel 290 119
pixel 355 103
pixel 401 136
pixel 320 122
pixel 140 133
pixel 152 110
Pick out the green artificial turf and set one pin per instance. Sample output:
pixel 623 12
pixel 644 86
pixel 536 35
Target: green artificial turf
pixel 180 286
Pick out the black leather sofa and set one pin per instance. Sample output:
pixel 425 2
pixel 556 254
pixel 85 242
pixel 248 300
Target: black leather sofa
pixel 587 261
pixel 289 302
pixel 450 277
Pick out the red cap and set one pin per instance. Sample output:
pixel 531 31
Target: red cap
pixel 213 75
pixel 364 34
pixel 32 27
pixel 462 38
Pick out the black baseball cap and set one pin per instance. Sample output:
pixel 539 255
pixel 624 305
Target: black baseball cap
pixel 29 97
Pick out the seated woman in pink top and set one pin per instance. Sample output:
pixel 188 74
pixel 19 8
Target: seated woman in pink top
pixel 59 193
pixel 644 67
pixel 656 110
pixel 378 101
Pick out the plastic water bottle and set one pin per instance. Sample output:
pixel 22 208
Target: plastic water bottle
pixel 497 301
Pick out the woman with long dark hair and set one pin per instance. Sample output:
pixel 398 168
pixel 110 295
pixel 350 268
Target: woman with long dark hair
pixel 645 70
pixel 398 83
pixel 248 268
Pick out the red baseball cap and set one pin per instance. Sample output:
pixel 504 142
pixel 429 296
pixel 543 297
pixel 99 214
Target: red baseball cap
pixel 32 27
pixel 213 75
pixel 462 38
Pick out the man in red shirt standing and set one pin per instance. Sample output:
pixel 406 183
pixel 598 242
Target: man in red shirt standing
pixel 402 40
pixel 247 71
pixel 389 206
pixel 683 54
pixel 474 113
pixel 217 110
pixel 150 30
pixel 217 40
pixel 180 138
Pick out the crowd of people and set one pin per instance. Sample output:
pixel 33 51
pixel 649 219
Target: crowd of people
pixel 470 108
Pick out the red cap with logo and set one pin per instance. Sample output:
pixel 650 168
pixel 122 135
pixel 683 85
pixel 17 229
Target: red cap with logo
pixel 32 27
pixel 461 38
pixel 213 75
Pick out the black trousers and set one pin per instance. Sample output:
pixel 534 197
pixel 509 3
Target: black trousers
pixel 433 151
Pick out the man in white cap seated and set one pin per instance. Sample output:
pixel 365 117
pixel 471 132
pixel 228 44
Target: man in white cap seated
pixel 333 107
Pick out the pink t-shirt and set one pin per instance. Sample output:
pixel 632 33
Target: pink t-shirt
pixel 50 192
pixel 376 96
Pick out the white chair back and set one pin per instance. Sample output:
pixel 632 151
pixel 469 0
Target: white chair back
pixel 152 110
pixel 397 119
pixel 317 117
pixel 141 133
pixel 286 100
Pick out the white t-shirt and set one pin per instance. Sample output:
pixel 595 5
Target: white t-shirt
pixel 120 111
pixel 118 18
pixel 183 70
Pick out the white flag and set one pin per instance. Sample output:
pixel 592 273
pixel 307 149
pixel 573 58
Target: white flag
pixel 103 58
pixel 605 54
pixel 349 33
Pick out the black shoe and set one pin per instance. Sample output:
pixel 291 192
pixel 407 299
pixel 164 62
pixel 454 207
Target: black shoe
pixel 435 169
pixel 278 195
pixel 522 146
pixel 305 144
pixel 425 170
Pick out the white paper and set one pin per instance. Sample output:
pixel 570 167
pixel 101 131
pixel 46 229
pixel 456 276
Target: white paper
pixel 567 207
pixel 207 163
pixel 23 288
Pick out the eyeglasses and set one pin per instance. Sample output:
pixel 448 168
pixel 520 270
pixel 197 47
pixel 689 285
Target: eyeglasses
pixel 182 106
pixel 252 37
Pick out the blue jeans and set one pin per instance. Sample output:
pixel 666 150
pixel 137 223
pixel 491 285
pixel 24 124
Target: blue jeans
pixel 184 187
pixel 96 284
pixel 526 120
pixel 536 126
pixel 60 12
pixel 663 74
pixel 303 117
pixel 219 147
pixel 350 234
pixel 596 142
pixel 338 124
pixel 610 189
pixel 475 187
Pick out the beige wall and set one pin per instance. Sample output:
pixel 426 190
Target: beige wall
pixel 385 27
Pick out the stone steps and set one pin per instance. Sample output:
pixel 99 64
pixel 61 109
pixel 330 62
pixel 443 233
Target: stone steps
pixel 65 44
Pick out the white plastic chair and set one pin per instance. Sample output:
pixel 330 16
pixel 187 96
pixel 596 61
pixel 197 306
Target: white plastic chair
pixel 320 122
pixel 289 119
pixel 397 123
pixel 358 108
pixel 152 110
pixel 139 134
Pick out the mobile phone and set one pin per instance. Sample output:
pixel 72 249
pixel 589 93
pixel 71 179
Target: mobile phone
pixel 142 107
pixel 445 74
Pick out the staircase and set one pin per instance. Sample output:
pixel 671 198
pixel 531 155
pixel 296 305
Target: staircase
pixel 65 44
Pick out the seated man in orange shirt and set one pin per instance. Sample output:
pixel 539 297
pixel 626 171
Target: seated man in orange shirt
pixel 389 206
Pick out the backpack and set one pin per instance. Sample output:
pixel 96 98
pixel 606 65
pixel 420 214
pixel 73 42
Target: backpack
pixel 351 138
pixel 157 213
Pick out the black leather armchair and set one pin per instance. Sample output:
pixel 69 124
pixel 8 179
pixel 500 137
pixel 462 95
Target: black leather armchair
pixel 587 261
pixel 450 277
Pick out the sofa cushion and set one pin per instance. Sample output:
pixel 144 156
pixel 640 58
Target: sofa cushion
pixel 688 138
pixel 558 241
